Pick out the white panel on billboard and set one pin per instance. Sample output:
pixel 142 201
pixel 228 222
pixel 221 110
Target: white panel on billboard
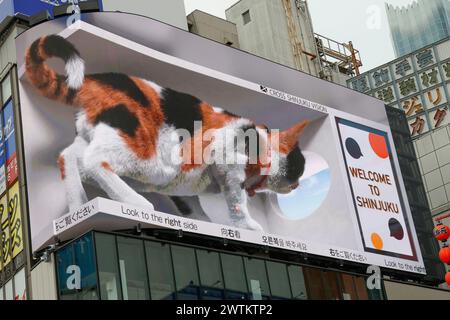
pixel 379 206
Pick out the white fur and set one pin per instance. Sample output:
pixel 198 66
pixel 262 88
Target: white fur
pixel 155 86
pixel 101 143
pixel 217 109
pixel 72 155
pixel 75 72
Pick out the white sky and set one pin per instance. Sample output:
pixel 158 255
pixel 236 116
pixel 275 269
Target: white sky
pixel 362 21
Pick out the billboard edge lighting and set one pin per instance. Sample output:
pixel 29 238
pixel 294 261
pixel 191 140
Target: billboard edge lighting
pixel 326 221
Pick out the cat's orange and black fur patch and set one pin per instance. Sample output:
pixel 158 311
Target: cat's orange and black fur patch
pixel 129 104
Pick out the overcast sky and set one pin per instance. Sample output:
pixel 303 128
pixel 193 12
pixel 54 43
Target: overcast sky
pixel 362 21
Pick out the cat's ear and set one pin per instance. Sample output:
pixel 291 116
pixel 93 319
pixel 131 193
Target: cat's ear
pixel 289 137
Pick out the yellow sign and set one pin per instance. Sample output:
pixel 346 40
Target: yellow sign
pixel 15 218
pixel 4 240
pixel 11 240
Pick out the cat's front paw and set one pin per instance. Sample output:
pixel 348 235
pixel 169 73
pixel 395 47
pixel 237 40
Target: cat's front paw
pixel 253 225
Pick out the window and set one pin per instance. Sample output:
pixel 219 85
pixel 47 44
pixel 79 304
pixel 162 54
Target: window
pixel 297 281
pixel 313 278
pixel 20 286
pixel 160 272
pixel 1 294
pixel 234 277
pixel 186 273
pixel 9 294
pixel 76 270
pixel 210 275
pixel 133 271
pixel 331 285
pixel 246 17
pixel 279 280
pixel 108 267
pixel 6 89
pixel 257 279
pixel 349 289
pixel 361 289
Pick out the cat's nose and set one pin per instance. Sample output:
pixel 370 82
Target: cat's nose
pixel 295 185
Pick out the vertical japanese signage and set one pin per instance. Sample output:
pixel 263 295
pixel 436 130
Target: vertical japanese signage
pixel 11 238
pixel 10 143
pixel 2 159
pixel 15 220
pixel 418 84
pixel 5 237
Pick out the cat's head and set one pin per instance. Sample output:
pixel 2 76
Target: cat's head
pixel 290 160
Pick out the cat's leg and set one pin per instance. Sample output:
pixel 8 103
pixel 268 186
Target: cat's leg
pixel 237 203
pixel 69 163
pixel 231 179
pixel 102 158
pixel 113 185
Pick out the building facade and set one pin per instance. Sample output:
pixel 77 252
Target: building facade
pixel 418 84
pixel 418 24
pixel 214 28
pixel 282 31
pixel 263 30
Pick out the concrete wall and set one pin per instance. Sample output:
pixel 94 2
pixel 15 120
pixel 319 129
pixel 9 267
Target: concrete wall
pixel 400 291
pixel 43 281
pixel 171 12
pixel 8 47
pixel 213 28
pixel 267 35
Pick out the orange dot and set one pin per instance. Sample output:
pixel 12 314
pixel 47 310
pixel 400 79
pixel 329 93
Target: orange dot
pixel 377 241
pixel 378 144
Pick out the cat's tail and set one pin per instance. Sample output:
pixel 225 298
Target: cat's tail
pixel 45 79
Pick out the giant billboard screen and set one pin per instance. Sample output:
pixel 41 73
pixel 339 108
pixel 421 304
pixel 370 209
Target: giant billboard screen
pixel 116 133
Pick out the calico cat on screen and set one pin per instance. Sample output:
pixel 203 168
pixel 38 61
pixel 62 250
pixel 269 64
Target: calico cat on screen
pixel 127 130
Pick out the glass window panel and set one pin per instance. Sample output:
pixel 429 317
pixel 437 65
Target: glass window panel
pixel 20 286
pixel 2 157
pixel 257 279
pixel 6 89
pixel 159 264
pixel 234 276
pixel 279 280
pixel 210 275
pixel 361 288
pixel 76 270
pixel 108 267
pixel 246 17
pixel 186 273
pixel 65 258
pixel 9 294
pixel 84 258
pixel 133 270
pixel 349 289
pixel 298 285
pixel 10 143
pixel 332 285
pixel 314 284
